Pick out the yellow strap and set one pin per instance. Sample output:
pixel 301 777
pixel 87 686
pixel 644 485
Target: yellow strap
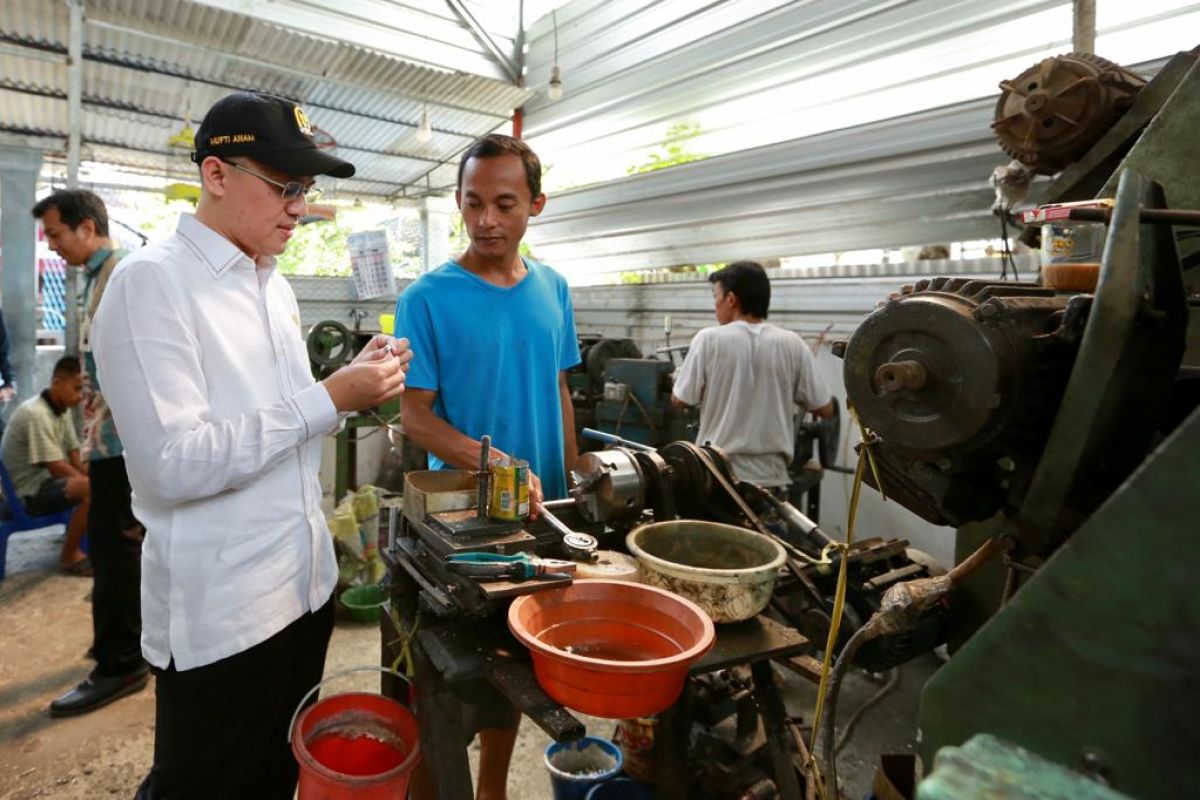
pixel 865 458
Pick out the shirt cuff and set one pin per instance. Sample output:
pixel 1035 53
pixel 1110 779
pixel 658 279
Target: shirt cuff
pixel 315 410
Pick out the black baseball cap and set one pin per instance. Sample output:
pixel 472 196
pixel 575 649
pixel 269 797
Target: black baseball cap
pixel 272 130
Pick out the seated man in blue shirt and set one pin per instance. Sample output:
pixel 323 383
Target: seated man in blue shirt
pixel 492 335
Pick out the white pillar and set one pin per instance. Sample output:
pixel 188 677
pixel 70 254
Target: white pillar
pixel 436 214
pixel 19 169
pixel 1083 39
pixel 74 90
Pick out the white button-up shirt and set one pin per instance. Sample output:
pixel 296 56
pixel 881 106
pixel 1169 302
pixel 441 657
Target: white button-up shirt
pixel 202 360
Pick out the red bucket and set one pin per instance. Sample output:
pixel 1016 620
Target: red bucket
pixel 354 746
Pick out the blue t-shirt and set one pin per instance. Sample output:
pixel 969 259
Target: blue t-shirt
pixel 493 355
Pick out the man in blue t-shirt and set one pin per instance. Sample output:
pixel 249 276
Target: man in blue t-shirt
pixel 492 335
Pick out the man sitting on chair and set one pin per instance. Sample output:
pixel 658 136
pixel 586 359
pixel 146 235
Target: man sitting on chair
pixel 41 452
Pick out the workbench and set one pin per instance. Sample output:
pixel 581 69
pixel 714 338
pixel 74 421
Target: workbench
pixel 455 656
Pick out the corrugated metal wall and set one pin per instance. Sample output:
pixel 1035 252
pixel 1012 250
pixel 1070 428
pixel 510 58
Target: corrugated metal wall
pixel 909 181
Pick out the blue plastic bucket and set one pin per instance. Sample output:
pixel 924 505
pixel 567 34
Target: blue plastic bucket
pixel 621 789
pixel 575 767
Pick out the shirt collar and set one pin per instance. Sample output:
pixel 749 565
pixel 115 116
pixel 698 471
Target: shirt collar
pixel 217 252
pixel 55 407
pixel 98 258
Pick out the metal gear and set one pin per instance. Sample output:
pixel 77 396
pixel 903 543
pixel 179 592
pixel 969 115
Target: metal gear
pixel 1051 114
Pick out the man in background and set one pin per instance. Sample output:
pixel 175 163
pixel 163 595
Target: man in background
pixel 492 334
pixel 76 225
pixel 40 450
pixel 748 377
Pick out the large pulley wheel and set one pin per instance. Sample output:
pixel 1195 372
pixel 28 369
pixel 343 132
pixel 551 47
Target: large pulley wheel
pixel 691 479
pixel 330 344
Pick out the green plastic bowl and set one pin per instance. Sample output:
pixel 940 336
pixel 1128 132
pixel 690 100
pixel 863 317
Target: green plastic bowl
pixel 364 602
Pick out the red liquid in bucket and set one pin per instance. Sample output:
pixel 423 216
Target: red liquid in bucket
pixel 355 747
pixel 352 754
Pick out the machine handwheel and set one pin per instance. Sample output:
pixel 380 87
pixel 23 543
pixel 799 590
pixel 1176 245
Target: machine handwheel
pixel 330 344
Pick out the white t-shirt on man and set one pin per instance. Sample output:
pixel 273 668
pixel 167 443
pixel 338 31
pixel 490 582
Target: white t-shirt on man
pixel 748 379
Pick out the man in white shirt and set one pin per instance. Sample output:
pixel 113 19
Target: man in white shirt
pixel 748 376
pixel 200 350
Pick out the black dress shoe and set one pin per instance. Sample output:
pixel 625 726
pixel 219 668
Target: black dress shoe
pixel 96 691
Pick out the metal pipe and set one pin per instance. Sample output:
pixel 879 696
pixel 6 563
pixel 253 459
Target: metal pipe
pixel 608 438
pixel 555 505
pixel 1148 216
pixel 74 91
pixel 1083 38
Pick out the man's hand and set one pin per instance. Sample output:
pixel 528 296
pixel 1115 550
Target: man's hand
pixel 382 346
pixel 535 495
pixel 375 376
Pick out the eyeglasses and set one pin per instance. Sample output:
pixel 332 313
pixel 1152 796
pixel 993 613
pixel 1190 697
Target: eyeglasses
pixel 292 190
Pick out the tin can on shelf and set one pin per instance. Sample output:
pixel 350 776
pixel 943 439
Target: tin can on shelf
pixel 510 491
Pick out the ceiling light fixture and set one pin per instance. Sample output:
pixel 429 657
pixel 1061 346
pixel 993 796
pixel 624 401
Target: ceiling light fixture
pixel 555 90
pixel 424 130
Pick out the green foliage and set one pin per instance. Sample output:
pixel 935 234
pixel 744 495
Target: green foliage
pixel 318 248
pixel 674 149
pixel 643 276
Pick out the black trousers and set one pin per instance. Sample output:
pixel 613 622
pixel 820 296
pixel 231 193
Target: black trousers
pixel 115 548
pixel 221 730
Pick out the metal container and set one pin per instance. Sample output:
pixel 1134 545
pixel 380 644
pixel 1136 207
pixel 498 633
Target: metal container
pixel 510 491
pixel 728 571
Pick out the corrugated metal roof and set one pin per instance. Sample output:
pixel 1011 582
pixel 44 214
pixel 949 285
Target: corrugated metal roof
pixel 148 64
pixel 753 72
pixel 788 98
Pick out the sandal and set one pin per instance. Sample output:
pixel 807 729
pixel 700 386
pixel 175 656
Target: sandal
pixel 80 569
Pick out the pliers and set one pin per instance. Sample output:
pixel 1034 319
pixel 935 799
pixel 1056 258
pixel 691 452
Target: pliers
pixel 519 566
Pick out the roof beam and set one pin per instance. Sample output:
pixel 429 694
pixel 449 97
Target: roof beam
pixel 56 53
pixel 130 108
pixel 382 28
pixel 74 111
pixel 269 65
pixel 499 56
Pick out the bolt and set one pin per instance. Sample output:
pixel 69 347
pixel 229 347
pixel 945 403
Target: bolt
pixel 1007 464
pixel 1095 765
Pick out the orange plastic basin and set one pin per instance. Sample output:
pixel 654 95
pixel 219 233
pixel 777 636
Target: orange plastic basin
pixel 611 648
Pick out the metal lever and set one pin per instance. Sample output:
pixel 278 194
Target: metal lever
pixel 484 476
pixel 581 544
pixel 608 438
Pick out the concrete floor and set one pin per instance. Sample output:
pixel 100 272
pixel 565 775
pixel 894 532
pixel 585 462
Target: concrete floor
pixel 45 630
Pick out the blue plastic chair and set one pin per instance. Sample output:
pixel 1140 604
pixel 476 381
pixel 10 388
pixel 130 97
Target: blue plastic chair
pixel 18 518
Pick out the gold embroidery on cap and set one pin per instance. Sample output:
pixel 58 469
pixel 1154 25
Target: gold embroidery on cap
pixel 302 121
pixel 236 138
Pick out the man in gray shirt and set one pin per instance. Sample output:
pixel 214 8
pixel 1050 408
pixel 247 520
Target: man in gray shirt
pixel 748 376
